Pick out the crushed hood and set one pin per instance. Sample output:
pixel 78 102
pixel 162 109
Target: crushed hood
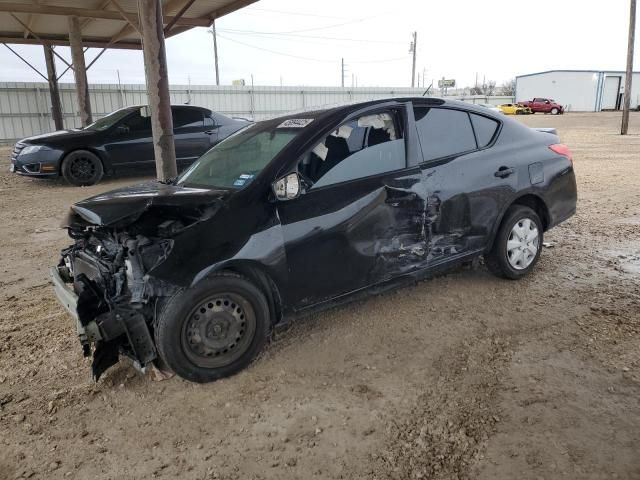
pixel 123 206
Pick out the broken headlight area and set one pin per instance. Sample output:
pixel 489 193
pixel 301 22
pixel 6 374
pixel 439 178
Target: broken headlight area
pixel 116 294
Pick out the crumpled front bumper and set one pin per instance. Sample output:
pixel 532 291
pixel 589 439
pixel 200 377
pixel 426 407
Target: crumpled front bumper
pixel 121 329
pixel 69 300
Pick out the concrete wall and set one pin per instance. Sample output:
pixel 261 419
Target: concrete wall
pixel 577 91
pixel 24 107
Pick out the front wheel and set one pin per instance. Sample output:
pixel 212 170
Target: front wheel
pixel 213 329
pixel 517 246
pixel 554 111
pixel 82 168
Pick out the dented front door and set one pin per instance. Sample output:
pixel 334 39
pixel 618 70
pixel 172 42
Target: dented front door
pixel 352 235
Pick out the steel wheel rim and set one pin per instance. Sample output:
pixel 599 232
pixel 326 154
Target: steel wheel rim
pixel 83 168
pixel 523 244
pixel 219 330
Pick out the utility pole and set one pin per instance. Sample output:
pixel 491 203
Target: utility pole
pixel 413 50
pixel 215 50
pixel 342 76
pixel 627 82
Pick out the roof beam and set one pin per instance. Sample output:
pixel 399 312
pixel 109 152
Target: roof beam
pixel 133 21
pixel 37 37
pixel 25 61
pixel 87 21
pixel 63 41
pixel 232 7
pixel 128 29
pixel 178 15
pixel 90 13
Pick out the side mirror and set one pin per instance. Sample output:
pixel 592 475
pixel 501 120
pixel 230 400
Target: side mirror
pixel 287 187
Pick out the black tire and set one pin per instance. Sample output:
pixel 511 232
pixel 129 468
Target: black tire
pixel 497 260
pixel 554 111
pixel 82 168
pixel 214 329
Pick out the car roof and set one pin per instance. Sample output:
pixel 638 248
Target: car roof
pixel 346 109
pixel 133 107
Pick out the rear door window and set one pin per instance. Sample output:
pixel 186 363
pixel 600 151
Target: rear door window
pixel 187 118
pixel 485 129
pixel 443 132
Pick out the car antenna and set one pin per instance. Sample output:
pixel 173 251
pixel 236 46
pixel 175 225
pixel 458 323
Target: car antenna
pixel 427 90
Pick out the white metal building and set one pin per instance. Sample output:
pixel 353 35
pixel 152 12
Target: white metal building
pixel 579 90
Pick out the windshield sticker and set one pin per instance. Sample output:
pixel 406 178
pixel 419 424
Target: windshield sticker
pixel 295 123
pixel 243 179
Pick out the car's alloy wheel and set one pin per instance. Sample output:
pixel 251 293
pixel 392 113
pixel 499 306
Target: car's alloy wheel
pixel 554 111
pixel 82 168
pixel 522 245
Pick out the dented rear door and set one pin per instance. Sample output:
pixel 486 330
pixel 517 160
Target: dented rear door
pixel 468 182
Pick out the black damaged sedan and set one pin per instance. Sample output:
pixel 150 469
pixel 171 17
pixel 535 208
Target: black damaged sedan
pixel 299 213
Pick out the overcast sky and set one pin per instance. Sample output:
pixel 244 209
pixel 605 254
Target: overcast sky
pixel 297 42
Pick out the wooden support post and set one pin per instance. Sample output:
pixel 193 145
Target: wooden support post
pixel 624 129
pixel 155 68
pixel 56 106
pixel 79 71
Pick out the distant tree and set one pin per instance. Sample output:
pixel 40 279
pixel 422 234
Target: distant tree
pixel 486 89
pixel 509 87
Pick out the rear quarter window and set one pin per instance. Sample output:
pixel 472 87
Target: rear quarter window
pixel 485 129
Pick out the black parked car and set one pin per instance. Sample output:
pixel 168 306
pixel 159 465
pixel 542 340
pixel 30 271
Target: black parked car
pixel 119 142
pixel 299 213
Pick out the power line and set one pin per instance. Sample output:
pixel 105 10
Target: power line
pixel 275 52
pixel 301 14
pixel 322 60
pixel 253 32
pixel 357 20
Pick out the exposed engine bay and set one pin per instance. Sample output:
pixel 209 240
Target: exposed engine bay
pixel 117 299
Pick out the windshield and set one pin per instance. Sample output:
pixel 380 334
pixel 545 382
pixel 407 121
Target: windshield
pixel 109 120
pixel 237 160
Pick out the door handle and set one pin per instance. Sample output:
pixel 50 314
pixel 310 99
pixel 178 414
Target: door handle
pixel 402 198
pixel 504 172
pixel 210 132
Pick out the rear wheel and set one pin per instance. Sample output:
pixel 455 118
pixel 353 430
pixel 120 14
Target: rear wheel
pixel 214 329
pixel 82 168
pixel 517 246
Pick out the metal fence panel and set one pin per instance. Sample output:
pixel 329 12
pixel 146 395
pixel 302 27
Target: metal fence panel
pixel 25 107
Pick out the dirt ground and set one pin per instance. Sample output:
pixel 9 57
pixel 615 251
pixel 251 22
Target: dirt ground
pixel 463 376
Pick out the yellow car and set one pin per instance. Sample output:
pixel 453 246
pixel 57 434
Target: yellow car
pixel 514 109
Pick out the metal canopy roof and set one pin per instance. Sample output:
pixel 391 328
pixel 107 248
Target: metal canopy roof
pixel 104 23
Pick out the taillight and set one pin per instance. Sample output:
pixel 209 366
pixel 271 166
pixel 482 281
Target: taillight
pixel 562 149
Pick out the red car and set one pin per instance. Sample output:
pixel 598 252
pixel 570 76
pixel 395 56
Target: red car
pixel 543 105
